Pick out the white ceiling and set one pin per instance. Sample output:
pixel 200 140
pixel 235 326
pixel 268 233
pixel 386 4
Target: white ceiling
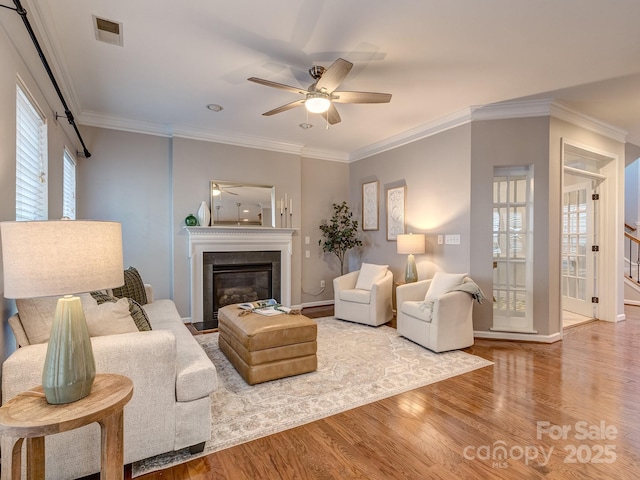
pixel 435 56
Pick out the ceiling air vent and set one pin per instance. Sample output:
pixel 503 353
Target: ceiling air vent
pixel 107 31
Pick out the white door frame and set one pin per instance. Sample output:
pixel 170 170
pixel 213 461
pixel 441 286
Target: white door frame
pixel 608 225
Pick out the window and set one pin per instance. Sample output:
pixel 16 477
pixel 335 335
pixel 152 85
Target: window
pixel 31 159
pixel 69 187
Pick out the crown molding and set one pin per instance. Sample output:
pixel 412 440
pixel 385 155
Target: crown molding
pixel 325 155
pixel 232 138
pixel 495 111
pixel 95 119
pixel 566 113
pixel 429 129
pixel 547 107
pixel 514 109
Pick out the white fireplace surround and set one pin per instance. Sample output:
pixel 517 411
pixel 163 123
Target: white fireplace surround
pixel 237 239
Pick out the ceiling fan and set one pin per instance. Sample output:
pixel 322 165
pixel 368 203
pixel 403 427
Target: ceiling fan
pixel 322 94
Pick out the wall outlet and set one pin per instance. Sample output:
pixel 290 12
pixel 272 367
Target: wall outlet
pixel 307 240
pixel 322 284
pixel 307 254
pixel 452 239
pixel 440 239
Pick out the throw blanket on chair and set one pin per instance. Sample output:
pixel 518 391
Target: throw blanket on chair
pixel 469 287
pixel 472 289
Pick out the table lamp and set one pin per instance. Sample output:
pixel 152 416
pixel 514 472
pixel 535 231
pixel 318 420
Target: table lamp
pixel 410 244
pixel 63 257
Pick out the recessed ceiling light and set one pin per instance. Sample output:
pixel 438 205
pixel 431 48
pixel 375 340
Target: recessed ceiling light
pixel 215 107
pixel 305 126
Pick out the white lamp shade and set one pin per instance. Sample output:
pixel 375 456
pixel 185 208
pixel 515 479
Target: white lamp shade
pixel 59 257
pixel 411 243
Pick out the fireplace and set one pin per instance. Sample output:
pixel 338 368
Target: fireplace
pixel 237 277
pixel 231 248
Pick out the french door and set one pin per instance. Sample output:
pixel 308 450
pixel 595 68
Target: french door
pixel 578 259
pixel 512 246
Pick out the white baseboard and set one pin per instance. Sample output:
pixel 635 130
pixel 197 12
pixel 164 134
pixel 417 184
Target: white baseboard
pixel 521 337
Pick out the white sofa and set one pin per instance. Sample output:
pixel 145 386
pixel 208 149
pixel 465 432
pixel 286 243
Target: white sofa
pixel 446 325
pixel 370 304
pixel 170 408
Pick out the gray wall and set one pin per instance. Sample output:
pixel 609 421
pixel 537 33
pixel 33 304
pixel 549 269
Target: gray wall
pixel 437 176
pixel 323 184
pixel 128 180
pixel 510 143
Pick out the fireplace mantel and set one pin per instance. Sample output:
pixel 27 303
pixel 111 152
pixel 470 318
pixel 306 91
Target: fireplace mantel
pixel 237 239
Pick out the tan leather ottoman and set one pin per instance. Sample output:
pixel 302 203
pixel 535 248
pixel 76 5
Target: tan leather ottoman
pixel 265 348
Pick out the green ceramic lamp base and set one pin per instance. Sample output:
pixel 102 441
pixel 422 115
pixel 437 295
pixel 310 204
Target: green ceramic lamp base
pixel 69 368
pixel 411 274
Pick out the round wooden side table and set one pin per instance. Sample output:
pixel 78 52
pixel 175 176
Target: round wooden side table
pixel 29 416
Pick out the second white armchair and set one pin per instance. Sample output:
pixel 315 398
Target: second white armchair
pixel 441 323
pixel 364 296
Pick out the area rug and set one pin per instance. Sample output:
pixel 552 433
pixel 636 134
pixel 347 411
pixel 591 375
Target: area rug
pixel 357 364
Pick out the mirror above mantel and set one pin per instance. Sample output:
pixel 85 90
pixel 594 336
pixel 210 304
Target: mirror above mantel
pixel 242 205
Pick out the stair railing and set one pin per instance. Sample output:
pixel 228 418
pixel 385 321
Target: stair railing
pixel 634 257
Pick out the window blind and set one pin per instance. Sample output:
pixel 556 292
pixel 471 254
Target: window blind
pixel 69 187
pixel 31 160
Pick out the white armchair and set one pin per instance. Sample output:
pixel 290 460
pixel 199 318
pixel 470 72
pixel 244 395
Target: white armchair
pixel 447 325
pixel 364 296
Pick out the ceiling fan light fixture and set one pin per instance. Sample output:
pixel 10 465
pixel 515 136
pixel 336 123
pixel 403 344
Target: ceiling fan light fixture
pixel 317 102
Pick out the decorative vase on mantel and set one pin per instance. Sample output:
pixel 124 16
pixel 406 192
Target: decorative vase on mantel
pixel 191 220
pixel 204 214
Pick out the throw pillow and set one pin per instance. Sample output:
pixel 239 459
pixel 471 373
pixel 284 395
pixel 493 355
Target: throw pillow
pixel 135 310
pixel 133 287
pixel 443 283
pixel 110 318
pixel 369 275
pixel 36 315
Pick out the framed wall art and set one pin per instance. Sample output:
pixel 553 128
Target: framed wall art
pixel 370 209
pixel 396 201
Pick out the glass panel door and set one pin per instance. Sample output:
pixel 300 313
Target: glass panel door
pixel 577 257
pixel 511 246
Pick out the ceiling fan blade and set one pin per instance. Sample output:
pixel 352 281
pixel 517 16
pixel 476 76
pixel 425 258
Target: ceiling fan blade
pixel 284 108
pixel 281 86
pixel 332 114
pixel 360 97
pixel 334 75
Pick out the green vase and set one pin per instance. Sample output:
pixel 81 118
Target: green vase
pixel 191 220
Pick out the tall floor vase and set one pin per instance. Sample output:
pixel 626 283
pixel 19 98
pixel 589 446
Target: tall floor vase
pixel 204 215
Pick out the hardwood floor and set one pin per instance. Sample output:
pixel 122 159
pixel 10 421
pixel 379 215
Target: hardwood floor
pixel 589 383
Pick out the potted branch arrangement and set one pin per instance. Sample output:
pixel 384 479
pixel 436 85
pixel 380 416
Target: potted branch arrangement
pixel 339 233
